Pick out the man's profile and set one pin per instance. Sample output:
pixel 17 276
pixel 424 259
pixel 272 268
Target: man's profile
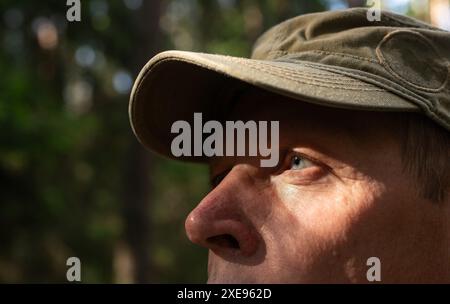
pixel 364 149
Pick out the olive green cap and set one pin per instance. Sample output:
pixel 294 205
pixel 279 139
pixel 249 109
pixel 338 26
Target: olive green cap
pixel 336 58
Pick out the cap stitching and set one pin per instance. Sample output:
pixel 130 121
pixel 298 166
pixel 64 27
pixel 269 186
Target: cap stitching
pixel 327 53
pixel 289 76
pixel 347 71
pixel 368 79
pixel 295 73
pixel 426 104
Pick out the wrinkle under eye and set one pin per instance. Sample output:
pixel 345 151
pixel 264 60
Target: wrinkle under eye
pixel 301 169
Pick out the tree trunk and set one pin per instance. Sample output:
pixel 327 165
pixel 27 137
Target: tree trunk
pixel 137 181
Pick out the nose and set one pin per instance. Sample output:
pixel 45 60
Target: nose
pixel 221 221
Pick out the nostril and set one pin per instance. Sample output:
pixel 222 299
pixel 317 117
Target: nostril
pixel 224 240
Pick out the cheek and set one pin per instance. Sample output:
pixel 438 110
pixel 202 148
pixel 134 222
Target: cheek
pixel 312 225
pixel 324 209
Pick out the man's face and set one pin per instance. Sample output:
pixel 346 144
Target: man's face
pixel 337 197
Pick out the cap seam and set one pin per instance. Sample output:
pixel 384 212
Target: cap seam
pixel 260 62
pixel 290 76
pixel 425 104
pixel 347 71
pixel 327 53
pixel 295 73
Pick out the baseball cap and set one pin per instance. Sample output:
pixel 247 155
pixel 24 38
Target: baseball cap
pixel 335 59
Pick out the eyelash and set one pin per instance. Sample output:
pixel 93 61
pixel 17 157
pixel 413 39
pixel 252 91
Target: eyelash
pixel 288 156
pixel 306 175
pixel 296 157
pixel 284 166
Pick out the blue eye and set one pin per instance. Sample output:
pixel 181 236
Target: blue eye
pixel 297 163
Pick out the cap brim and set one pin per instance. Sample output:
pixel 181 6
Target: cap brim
pixel 175 84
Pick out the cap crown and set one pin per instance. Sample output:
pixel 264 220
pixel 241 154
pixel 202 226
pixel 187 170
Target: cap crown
pixel 398 53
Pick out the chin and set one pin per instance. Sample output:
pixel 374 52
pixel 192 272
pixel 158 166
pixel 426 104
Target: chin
pixel 231 279
pixel 224 280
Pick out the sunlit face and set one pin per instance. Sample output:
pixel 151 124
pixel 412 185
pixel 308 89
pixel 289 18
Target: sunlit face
pixel 338 197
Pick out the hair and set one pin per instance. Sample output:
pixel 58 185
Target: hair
pixel 426 155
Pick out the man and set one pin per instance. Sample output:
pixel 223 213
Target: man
pixel 363 173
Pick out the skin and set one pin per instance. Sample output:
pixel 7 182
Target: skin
pixel 319 222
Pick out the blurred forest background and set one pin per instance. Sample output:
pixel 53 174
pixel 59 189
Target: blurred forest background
pixel 73 179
